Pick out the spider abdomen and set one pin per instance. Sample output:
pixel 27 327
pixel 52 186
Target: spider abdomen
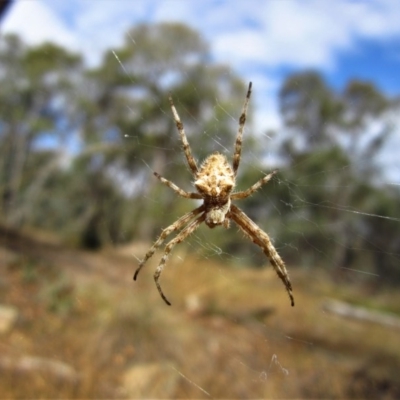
pixel 216 214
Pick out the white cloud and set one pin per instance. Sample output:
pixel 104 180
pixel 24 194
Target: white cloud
pixel 37 23
pixel 374 19
pixel 88 27
pixel 306 34
pixel 274 33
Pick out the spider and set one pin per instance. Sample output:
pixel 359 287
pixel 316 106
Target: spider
pixel 214 181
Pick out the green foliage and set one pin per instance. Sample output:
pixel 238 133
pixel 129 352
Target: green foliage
pixel 308 105
pixel 35 100
pixel 335 186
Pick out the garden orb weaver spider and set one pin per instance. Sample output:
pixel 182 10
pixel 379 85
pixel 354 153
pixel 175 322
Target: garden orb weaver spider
pixel 214 181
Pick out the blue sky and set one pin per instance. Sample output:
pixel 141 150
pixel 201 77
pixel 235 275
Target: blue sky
pixel 262 41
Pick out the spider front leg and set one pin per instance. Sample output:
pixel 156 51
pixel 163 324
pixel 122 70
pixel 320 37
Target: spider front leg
pixel 172 228
pixel 186 147
pixel 259 237
pixel 168 248
pixel 246 193
pixel 178 190
pixel 239 136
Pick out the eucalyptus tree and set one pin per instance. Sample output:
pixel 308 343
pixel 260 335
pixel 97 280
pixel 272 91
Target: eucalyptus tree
pixel 36 108
pixel 333 139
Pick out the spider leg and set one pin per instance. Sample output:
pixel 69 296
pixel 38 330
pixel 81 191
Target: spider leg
pixel 186 147
pixel 178 190
pixel 168 248
pixel 259 237
pixel 172 228
pixel 242 121
pixel 246 193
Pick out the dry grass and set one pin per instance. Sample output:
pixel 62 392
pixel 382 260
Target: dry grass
pixel 230 333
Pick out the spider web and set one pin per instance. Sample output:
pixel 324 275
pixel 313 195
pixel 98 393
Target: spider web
pixel 234 334
pixel 280 344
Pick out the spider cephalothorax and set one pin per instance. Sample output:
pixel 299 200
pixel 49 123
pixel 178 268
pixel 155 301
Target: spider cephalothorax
pixel 214 182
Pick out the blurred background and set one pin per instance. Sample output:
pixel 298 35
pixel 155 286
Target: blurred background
pixel 85 121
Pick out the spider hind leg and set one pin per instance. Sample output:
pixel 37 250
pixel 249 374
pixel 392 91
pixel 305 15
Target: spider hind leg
pixel 167 231
pixel 260 238
pixel 188 230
